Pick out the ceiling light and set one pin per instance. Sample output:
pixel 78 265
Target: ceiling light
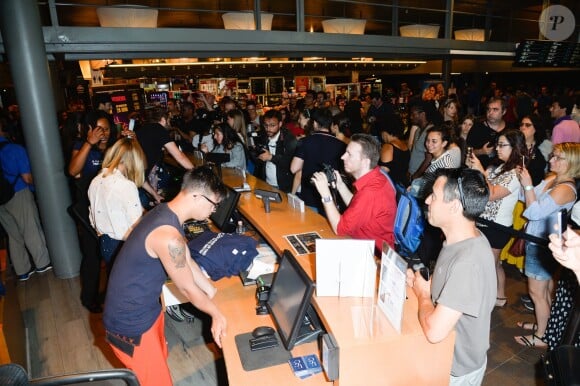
pixel 344 26
pixel 480 53
pixel 474 34
pixel 245 20
pixel 273 61
pixel 127 16
pixel 419 31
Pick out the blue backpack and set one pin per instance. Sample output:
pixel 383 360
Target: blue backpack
pixel 409 221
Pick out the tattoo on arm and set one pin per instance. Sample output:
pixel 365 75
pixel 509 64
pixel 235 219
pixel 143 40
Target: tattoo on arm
pixel 176 249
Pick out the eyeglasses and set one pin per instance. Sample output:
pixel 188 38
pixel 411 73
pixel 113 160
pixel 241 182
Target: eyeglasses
pixel 556 156
pixel 502 145
pixel 526 124
pixel 460 188
pixel 215 204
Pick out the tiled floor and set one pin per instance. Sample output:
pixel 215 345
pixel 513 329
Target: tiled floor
pixel 510 364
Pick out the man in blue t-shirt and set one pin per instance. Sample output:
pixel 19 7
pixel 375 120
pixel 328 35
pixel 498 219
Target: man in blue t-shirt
pixel 19 216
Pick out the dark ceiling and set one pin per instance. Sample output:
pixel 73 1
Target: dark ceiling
pixel 194 29
pixel 511 20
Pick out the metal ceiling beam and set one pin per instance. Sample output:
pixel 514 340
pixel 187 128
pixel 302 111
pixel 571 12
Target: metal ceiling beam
pixel 133 43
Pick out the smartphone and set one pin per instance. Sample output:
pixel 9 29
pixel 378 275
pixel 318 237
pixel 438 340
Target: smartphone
pixel 562 222
pixel 523 161
pixel 131 124
pixel 424 271
pixel 468 153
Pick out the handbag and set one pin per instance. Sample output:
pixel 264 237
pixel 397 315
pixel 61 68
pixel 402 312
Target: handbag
pixel 518 247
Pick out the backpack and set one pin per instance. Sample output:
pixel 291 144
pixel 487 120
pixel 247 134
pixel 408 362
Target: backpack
pixel 409 221
pixel 6 188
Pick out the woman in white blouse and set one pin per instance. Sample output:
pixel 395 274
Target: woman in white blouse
pixel 115 207
pixel 504 188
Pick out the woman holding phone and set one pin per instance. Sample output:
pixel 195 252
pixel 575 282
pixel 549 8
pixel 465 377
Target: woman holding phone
pixel 504 189
pixel 534 161
pixel 557 191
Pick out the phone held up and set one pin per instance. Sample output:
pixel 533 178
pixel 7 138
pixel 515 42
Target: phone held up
pixel 562 222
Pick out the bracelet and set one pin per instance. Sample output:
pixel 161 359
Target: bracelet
pixel 527 188
pixel 90 144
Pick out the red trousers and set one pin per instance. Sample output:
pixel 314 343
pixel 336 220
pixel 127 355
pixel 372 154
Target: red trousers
pixel 149 360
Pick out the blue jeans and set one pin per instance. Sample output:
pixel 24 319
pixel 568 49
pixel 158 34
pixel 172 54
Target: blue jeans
pixel 539 263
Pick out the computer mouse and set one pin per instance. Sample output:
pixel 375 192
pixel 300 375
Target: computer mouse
pixel 263 330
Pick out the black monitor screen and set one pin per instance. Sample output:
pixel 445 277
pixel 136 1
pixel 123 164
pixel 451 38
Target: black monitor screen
pixel 289 298
pixel 222 217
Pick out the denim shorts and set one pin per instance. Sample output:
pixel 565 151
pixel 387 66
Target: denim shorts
pixel 540 265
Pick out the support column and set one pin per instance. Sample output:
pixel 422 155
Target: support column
pixel 446 72
pixel 24 45
pixel 300 15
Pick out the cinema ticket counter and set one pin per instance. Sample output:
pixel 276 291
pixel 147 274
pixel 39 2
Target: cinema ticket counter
pixel 371 352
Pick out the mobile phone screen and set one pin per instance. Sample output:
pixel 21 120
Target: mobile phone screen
pixel 562 222
pixel 131 124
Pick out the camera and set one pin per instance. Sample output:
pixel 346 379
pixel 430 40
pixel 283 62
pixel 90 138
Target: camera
pixel 257 150
pixel 330 176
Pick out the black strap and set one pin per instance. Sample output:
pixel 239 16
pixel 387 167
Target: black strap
pixel 520 234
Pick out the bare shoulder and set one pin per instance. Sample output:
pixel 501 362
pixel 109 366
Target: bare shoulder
pixel 165 241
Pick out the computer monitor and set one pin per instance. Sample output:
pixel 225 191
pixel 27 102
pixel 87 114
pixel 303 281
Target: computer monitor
pixel 224 216
pixel 217 159
pixel 289 303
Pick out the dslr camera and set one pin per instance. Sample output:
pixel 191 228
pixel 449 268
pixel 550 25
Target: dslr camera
pixel 256 150
pixel 330 176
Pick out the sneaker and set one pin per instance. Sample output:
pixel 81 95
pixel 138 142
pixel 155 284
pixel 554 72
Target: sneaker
pixel 526 298
pixel 174 312
pixel 47 267
pixel 26 276
pixel 529 306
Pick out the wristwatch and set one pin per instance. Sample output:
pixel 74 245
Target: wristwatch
pixel 528 187
pixel 326 200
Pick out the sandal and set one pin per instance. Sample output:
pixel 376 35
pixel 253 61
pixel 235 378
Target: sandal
pixel 532 341
pixel 500 302
pixel 528 326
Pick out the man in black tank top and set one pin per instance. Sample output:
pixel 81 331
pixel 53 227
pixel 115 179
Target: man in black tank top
pixel 156 249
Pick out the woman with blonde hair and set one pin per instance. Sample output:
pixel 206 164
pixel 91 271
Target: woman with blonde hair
pixel 543 202
pixel 235 118
pixel 115 206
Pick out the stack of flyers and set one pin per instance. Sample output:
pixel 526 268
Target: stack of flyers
pixel 305 366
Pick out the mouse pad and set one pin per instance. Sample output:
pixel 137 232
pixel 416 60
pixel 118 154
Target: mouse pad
pixel 254 360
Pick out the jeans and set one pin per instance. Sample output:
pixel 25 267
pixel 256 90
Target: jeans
pixel 109 248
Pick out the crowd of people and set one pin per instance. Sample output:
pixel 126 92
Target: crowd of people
pixel 463 162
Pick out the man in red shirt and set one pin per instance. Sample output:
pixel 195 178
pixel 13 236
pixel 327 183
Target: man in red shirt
pixel 372 207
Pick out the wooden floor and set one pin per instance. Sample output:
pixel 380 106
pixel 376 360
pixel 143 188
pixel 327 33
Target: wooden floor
pixel 65 338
